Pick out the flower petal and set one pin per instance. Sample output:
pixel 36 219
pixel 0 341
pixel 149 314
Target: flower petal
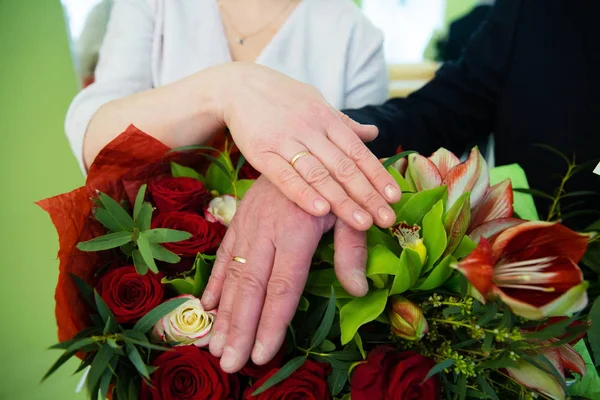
pixel 492 228
pixel 572 301
pixel 444 160
pixel 478 267
pixel 497 203
pixel 423 172
pixel 537 239
pixel 571 360
pixel 532 377
pixel 470 176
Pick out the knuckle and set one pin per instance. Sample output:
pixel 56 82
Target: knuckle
pixel 345 170
pixel 251 284
pixel 287 176
pixel 359 152
pixel 280 288
pixel 236 329
pixel 233 273
pixel 371 198
pixel 346 203
pixel 317 175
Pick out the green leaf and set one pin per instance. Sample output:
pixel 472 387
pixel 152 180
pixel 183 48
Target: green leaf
pixel 360 311
pixel 139 201
pixel 419 204
pixel 439 275
pixel 147 321
pixel 456 222
pixel 405 186
pixel 85 290
pixel 282 374
pixel 106 219
pixel 202 274
pixel 106 242
pixel 165 235
pixel 140 265
pixel 434 234
pixel 327 346
pixel 589 385
pixel 376 236
pixel 535 193
pixel 380 260
pixel 58 363
pixel 320 281
pixel 462 387
pixel 219 174
pixel 106 378
pixel 192 148
pixel 303 304
pixel 242 186
pixel 359 345
pixel 439 367
pixel 99 365
pixel 555 151
pixel 239 165
pixel 491 309
pixel 146 252
pixel 121 217
pixel 396 157
pixel 486 387
pixel 594 331
pixel 103 309
pixel 465 248
pixel 179 285
pixel 408 273
pixel 325 326
pixel 336 381
pixel 162 254
pixel 144 218
pixel 136 360
pixel 179 171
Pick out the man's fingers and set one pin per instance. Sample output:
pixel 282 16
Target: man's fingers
pixel 212 292
pixel 248 305
pixel 292 264
pixel 350 258
pixel 366 133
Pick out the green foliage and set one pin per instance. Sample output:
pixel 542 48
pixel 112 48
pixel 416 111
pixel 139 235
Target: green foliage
pixel 434 235
pixel 359 311
pixel 420 204
pixel 180 171
pixel 280 375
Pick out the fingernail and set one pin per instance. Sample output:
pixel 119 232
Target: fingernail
pixel 391 192
pixel 361 217
pixel 385 214
pixel 229 358
pixel 217 342
pixel 257 353
pixel 320 205
pixel 360 279
pixel 207 298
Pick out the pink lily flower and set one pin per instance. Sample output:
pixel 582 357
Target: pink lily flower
pixel 532 268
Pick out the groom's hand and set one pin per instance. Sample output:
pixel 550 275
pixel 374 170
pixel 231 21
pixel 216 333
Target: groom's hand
pixel 257 299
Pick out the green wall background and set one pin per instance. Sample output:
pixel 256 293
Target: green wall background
pixel 37 83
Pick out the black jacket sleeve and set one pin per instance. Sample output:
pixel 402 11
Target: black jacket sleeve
pixel 459 106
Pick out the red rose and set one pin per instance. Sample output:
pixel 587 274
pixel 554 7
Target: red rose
pixel 307 382
pixel 254 371
pixel 206 236
pixel 129 295
pixel 177 194
pixel 392 375
pixel 187 372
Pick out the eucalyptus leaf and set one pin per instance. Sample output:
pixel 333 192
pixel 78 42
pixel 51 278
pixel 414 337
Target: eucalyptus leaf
pixel 486 387
pixel 85 290
pixel 165 235
pixel 359 345
pixel 360 311
pixel 103 309
pixel 107 220
pixel 147 321
pixel 327 346
pixel 336 381
pixel 419 204
pixel 146 252
pixel 118 213
pixel 106 378
pixel 99 365
pixel 136 360
pixel 320 281
pixel 138 261
pixel 58 363
pixel 282 374
pixel 106 242
pixel 325 326
pixel 139 201
pixel 434 234
pixel 180 171
pixel 439 367
pixel 144 218
pixel 162 254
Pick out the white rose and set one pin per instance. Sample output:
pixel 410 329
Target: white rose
pixel 221 209
pixel 187 324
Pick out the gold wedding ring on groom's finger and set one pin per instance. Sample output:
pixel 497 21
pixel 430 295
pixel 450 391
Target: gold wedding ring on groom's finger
pixel 298 156
pixel 238 259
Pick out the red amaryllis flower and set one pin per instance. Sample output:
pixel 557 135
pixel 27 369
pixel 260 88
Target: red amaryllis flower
pixel 532 267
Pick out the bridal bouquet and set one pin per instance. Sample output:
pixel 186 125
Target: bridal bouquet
pixel 466 300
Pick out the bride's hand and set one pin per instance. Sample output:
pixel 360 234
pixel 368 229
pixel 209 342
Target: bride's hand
pixel 313 153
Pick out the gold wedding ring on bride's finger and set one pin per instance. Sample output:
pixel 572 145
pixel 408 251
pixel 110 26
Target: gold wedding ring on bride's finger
pixel 238 259
pixel 298 156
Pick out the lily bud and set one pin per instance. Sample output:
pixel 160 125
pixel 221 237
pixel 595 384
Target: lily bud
pixel 407 319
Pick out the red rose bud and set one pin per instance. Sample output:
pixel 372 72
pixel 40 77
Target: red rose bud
pixel 129 295
pixel 407 319
pixel 177 194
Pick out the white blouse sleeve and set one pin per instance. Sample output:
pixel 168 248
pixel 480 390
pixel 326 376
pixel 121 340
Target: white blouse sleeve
pixel 367 73
pixel 124 67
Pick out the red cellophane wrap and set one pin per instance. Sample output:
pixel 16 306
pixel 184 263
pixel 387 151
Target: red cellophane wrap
pixel 129 161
